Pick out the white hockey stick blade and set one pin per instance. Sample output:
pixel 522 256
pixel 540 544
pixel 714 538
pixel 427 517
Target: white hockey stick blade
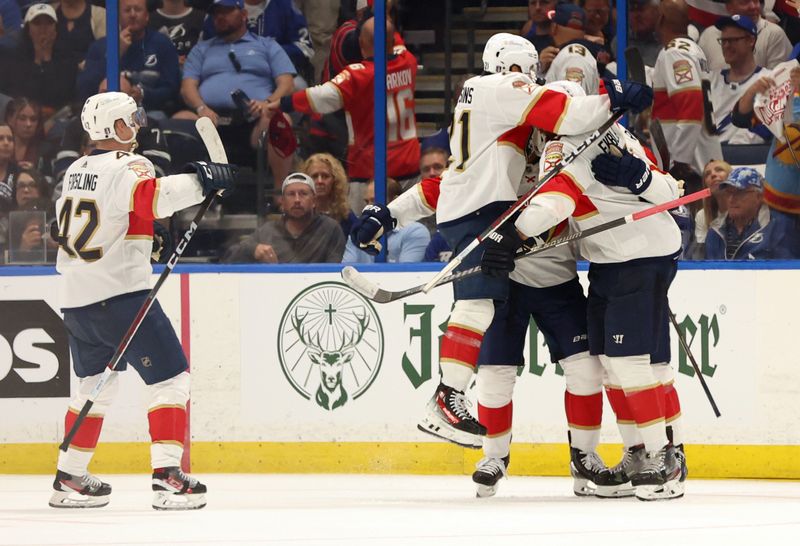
pixel 210 136
pixel 358 282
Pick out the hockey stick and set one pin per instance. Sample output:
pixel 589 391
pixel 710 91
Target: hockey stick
pixel 217 154
pixel 358 282
pixel 694 362
pixel 522 202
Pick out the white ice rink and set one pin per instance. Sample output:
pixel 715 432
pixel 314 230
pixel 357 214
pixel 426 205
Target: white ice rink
pixel 333 510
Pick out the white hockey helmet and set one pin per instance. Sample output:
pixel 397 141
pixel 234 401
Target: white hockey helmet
pixel 101 111
pixel 504 50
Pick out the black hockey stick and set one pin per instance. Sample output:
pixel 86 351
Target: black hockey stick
pixel 358 282
pixel 217 154
pixel 694 362
pixel 523 201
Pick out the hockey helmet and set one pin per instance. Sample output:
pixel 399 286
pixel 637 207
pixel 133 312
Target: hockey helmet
pixel 101 111
pixel 505 50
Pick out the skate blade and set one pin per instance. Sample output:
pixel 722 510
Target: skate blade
pixel 73 499
pixel 485 491
pixel 672 489
pixel 623 491
pixel 583 487
pixel 446 432
pixel 164 500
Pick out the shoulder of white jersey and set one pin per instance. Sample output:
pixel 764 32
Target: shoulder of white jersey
pixel 139 165
pixel 575 50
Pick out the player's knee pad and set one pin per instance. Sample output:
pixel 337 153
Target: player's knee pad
pixel 170 392
pixel 583 374
pixel 633 372
pixel 473 314
pixel 104 397
pixel 496 385
pixel 664 372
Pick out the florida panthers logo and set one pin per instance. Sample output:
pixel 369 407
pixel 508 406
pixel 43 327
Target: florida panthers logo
pixel 330 344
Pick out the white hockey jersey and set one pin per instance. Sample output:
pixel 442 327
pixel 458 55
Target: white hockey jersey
pixel 574 192
pixel 575 63
pixel 105 223
pixel 678 102
pixel 490 130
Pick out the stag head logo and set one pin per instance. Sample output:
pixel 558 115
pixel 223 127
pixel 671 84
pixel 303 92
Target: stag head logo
pixel 330 344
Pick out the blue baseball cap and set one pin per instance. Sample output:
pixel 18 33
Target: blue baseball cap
pixel 744 178
pixel 741 21
pixel 227 4
pixel 568 15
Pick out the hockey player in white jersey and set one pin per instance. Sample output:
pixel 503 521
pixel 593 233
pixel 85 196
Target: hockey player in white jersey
pixel 630 272
pixel 575 60
pixel 105 234
pixel 491 126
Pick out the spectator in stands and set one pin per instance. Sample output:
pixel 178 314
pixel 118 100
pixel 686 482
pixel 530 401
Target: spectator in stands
pixel 181 23
pixel 148 61
pixel 322 16
pixel 299 236
pixel 772 45
pixel 80 23
pixel 10 23
pixel 432 162
pixel 738 38
pixel 598 15
pixel 25 118
pixel 8 167
pixel 643 20
pixel 282 21
pixel 716 172
pixel 31 191
pixel 537 29
pixel 749 230
pixel 37 70
pixel 404 245
pixel 352 90
pixel 331 185
pixel 238 59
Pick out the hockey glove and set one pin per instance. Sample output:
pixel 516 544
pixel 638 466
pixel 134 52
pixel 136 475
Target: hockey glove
pixel 500 249
pixel 162 244
pixel 375 220
pixel 213 176
pixel 631 95
pixel 626 170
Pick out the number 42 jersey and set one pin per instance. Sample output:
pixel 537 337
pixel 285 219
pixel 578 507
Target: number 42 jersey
pixel 105 223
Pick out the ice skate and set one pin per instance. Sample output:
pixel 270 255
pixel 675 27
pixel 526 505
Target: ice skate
pixel 586 469
pixel 449 418
pixel 175 490
pixel 85 491
pixel 659 477
pixel 489 471
pixel 618 484
pixel 680 455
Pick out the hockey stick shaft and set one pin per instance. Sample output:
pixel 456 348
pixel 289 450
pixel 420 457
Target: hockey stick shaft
pixel 522 201
pixel 217 153
pixel 688 352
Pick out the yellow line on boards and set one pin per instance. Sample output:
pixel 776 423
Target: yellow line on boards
pixel 705 461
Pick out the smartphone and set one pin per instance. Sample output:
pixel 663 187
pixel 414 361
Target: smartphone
pixel 242 102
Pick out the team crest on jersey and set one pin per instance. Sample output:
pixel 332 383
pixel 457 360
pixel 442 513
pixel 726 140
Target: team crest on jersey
pixel 151 60
pixel 525 86
pixel 341 77
pixel 141 170
pixel 682 70
pixel 575 74
pixel 553 155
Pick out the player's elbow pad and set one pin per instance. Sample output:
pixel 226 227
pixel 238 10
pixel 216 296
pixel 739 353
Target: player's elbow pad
pixel 176 192
pixel 543 212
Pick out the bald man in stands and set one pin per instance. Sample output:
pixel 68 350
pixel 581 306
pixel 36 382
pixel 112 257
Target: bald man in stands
pixel 681 83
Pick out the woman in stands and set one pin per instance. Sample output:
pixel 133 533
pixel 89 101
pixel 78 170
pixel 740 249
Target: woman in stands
pixel 8 167
pixel 714 172
pixel 331 185
pixel 25 118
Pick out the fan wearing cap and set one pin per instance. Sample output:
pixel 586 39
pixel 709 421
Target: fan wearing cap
pixel 300 236
pixel 772 45
pixel 680 77
pixel 573 57
pixel 38 70
pixel 749 230
pixel 738 39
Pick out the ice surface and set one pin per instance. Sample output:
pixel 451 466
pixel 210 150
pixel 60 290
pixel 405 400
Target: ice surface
pixel 334 510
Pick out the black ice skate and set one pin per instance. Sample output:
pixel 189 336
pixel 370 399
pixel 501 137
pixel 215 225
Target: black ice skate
pixel 586 469
pixel 85 491
pixel 489 471
pixel 680 455
pixel 619 484
pixel 448 418
pixel 659 477
pixel 175 490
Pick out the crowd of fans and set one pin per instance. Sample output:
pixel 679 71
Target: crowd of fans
pixel 282 81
